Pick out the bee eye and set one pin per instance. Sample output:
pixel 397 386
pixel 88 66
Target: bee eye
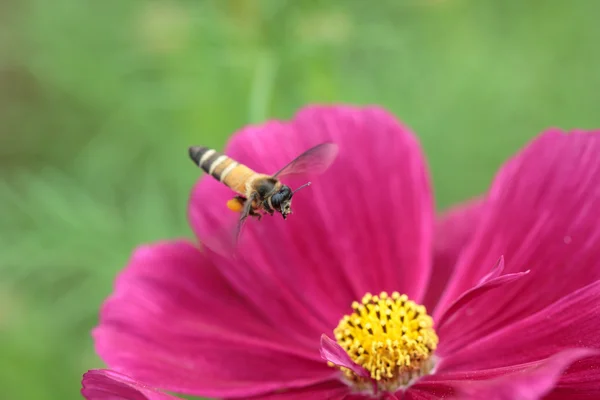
pixel 282 195
pixel 276 200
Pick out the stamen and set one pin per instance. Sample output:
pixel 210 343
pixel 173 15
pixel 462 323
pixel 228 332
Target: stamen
pixel 389 336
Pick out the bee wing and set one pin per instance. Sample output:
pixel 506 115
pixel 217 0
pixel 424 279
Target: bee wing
pixel 245 213
pixel 315 160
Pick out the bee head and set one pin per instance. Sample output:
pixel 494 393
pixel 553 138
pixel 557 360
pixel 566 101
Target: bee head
pixel 282 201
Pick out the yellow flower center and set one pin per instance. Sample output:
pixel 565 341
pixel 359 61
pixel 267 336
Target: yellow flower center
pixel 391 337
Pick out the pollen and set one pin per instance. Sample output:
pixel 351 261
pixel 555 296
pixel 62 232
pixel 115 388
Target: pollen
pixel 235 205
pixel 391 337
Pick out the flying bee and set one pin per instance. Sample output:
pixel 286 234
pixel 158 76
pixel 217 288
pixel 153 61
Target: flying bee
pixel 259 193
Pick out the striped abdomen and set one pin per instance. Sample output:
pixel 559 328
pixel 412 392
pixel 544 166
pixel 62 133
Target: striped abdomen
pixel 222 168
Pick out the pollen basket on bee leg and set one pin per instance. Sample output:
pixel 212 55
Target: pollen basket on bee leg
pixel 235 205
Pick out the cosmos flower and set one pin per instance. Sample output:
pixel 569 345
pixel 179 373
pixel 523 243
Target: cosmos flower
pixel 362 293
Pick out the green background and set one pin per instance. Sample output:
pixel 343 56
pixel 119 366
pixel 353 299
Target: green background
pixel 100 99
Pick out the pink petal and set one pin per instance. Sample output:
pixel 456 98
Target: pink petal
pixel 578 381
pixel 541 214
pixel 176 323
pixel 428 391
pixel 571 322
pixel 331 390
pixel 334 353
pixel 541 375
pixel 453 231
pixel 102 384
pixel 460 322
pixel 530 384
pixel 364 225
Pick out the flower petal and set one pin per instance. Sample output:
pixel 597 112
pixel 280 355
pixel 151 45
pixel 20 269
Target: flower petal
pixel 176 323
pixel 453 231
pixel 459 323
pixel 541 214
pixel 530 384
pixel 331 390
pixel 373 207
pixel 334 353
pixel 429 391
pixel 571 322
pixel 102 384
pixel 580 381
pixel 539 376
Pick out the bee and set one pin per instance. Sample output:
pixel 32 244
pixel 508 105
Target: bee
pixel 259 193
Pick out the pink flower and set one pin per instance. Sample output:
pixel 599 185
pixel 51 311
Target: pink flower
pixel 511 280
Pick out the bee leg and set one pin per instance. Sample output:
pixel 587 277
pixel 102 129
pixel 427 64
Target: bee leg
pixel 266 207
pixel 255 214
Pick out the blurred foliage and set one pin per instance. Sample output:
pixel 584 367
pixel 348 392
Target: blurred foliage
pixel 100 99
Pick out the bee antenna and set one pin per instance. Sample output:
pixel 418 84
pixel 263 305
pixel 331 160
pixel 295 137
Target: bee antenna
pixel 303 186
